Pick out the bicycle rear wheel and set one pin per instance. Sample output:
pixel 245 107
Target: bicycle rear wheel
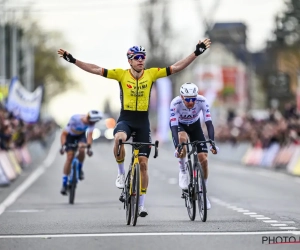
pixel 73 182
pixel 127 198
pixel 190 202
pixel 201 194
pixel 135 195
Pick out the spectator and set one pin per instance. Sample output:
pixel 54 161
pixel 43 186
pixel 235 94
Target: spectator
pixel 277 128
pixel 14 133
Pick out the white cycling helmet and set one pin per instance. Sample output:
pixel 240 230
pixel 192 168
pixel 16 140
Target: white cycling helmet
pixel 189 89
pixel 94 116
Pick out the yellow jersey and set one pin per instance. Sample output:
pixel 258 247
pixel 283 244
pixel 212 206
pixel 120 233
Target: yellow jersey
pixel 135 93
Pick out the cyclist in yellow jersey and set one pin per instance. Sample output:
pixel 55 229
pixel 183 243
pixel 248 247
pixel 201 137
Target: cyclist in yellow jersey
pixel 135 88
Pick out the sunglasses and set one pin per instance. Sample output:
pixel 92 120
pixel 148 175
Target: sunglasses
pixel 139 57
pixel 193 99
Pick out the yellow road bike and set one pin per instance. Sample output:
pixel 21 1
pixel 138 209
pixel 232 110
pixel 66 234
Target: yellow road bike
pixel 132 188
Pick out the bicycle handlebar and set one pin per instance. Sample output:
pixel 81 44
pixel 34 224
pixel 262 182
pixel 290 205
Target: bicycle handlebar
pixel 75 145
pixel 194 143
pixel 138 145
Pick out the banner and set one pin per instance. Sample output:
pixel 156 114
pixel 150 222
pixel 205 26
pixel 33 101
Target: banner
pixel 270 154
pixel 14 162
pixel 294 164
pixel 3 179
pixel 22 103
pixel 7 167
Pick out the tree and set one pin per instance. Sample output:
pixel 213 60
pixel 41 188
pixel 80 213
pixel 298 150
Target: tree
pixel 48 68
pixel 156 24
pixel 287 30
pixel 283 52
pixel 160 37
pixel 37 49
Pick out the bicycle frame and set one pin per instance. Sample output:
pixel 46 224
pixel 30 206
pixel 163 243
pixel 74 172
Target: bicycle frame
pixel 194 180
pixel 135 157
pixel 134 161
pixel 75 157
pixel 195 155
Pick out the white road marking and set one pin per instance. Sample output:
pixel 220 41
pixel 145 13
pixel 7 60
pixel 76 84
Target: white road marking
pixel 25 211
pixel 238 208
pixel 254 215
pixel 143 234
pixel 31 178
pixel 231 207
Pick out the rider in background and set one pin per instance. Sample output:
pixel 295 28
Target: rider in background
pixel 75 132
pixel 185 121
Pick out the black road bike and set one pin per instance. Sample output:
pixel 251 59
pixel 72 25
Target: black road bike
pixel 196 189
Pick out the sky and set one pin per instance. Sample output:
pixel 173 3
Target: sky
pixel 101 32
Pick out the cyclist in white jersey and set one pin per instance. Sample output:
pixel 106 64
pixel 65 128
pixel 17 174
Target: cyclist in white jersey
pixel 185 121
pixel 75 132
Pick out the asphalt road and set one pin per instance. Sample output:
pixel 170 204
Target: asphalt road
pixel 250 208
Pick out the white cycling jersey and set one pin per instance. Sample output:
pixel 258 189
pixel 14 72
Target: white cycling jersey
pixel 180 113
pixel 76 127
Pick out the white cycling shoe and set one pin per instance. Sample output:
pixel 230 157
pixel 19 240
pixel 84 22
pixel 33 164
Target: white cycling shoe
pixel 183 181
pixel 142 211
pixel 120 181
pixel 208 205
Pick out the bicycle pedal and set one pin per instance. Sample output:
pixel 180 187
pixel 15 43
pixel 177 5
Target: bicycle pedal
pixel 122 199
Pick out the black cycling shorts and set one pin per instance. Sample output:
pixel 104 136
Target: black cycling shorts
pixel 139 130
pixel 72 139
pixel 195 133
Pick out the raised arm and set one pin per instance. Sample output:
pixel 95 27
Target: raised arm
pixel 200 48
pixel 88 67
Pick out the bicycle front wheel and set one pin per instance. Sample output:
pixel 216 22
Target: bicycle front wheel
pixel 190 202
pixel 73 183
pixel 135 194
pixel 201 194
pixel 127 198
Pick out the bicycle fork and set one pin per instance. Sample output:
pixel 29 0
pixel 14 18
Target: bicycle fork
pixel 74 162
pixel 123 197
pixel 130 175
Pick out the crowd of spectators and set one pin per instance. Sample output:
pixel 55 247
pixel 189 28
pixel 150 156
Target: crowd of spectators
pixel 279 127
pixel 14 133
